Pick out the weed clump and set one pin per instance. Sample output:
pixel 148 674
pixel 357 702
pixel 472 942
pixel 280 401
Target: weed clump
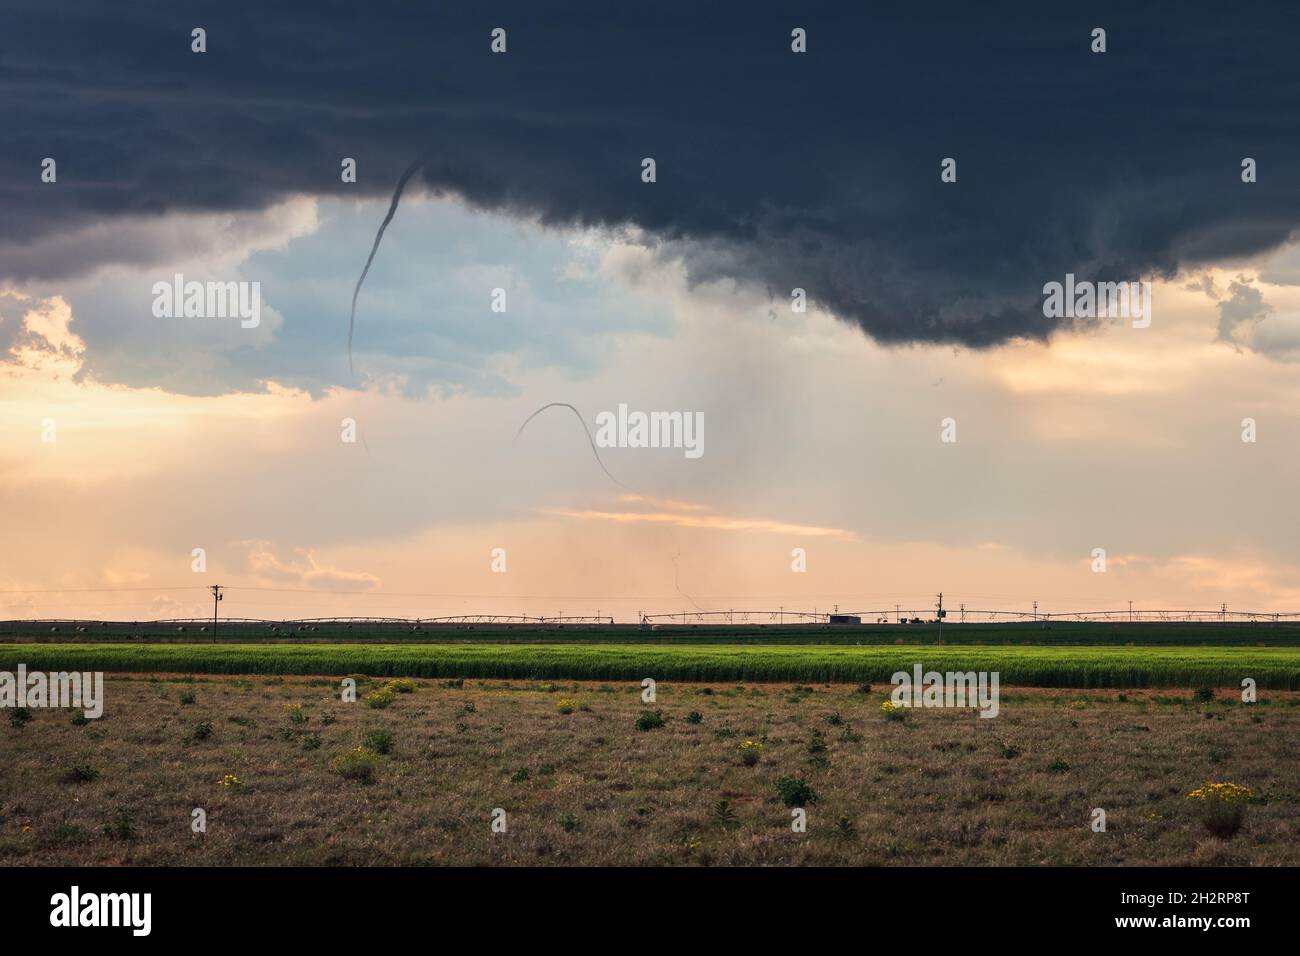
pixel 80 773
pixel 795 792
pixel 120 826
pixel 381 698
pixel 1223 807
pixel 359 763
pixel 650 719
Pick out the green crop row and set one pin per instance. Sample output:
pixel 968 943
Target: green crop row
pixel 1032 666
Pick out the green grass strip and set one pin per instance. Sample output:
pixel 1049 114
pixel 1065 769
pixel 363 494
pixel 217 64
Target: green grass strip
pixel 1036 666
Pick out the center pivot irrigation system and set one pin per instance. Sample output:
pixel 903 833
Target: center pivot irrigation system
pixel 340 626
pixel 938 614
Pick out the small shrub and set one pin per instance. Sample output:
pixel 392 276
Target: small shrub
pixel 80 773
pixel 1058 766
pixel 297 714
pixel 569 822
pixel 725 732
pixel 650 719
pixel 566 705
pixel 521 775
pixel 230 782
pixel 120 827
pixel 795 792
pixel 455 684
pixel 358 763
pixel 724 816
pixel 79 719
pixel 381 698
pixel 380 741
pixel 818 756
pixel 1010 751
pixel 19 716
pixel 311 742
pixel 403 685
pixel 750 750
pixel 327 719
pixel 1203 695
pixel 834 719
pixel 1223 807
pixel 695 717
pixel 70 833
pixel 187 697
pixel 846 828
pixel 891 711
pixel 467 708
pixel 200 731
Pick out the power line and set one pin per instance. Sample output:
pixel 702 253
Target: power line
pixel 192 587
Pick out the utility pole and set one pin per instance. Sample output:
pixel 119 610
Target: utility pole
pixel 1223 614
pixel 1035 610
pixel 963 613
pixel 940 617
pixel 216 596
pixel 1130 612
pixel 896 613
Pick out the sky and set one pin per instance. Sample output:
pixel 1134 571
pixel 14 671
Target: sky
pixel 923 425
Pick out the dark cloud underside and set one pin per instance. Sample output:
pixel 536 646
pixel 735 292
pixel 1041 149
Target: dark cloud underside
pixel 817 170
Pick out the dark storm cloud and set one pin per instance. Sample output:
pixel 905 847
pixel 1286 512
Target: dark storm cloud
pixel 818 170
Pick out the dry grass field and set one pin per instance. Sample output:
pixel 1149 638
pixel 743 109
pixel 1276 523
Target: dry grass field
pixel 589 787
